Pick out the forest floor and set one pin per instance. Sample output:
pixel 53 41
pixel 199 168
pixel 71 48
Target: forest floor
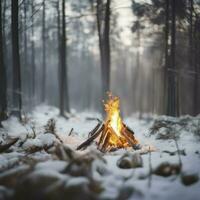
pixel 39 166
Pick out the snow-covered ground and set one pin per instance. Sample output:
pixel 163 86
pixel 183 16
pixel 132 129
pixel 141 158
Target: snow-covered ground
pixel 37 166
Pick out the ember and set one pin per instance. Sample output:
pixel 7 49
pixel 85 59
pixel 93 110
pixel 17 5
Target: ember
pixel 113 133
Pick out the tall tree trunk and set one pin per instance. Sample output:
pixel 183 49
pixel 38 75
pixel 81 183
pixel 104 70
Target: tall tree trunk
pixel 25 35
pixel 58 40
pixel 27 71
pixel 173 102
pixel 17 96
pixel 3 99
pixel 4 31
pixel 44 51
pixel 166 55
pixel 103 25
pixel 196 108
pixel 64 98
pixel 33 51
pixel 190 56
pixel 59 51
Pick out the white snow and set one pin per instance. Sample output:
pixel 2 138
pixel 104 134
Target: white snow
pixel 56 165
pixel 112 178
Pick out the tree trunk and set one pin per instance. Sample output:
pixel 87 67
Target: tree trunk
pixel 64 98
pixel 26 68
pixel 33 51
pixel 4 31
pixel 17 99
pixel 173 102
pixel 58 41
pixel 103 25
pixel 44 52
pixel 3 99
pixel 196 108
pixel 25 35
pixel 191 9
pixel 166 55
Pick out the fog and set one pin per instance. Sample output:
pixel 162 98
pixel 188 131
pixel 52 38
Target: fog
pixel 137 53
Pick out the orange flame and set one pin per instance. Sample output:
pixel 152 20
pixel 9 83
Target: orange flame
pixel 113 118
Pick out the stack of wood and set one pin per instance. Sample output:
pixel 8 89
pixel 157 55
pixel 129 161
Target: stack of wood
pixel 108 140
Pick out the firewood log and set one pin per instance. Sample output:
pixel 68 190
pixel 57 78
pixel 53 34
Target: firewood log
pixel 102 143
pixel 105 144
pixel 129 129
pixel 89 140
pixel 102 135
pixel 131 137
pixel 117 138
pixel 95 129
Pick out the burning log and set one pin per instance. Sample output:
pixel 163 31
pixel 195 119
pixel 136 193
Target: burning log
pixel 113 133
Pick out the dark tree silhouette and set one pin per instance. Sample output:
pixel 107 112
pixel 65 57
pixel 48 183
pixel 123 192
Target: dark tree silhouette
pixel 103 26
pixel 196 64
pixel 44 51
pixel 33 51
pixel 3 99
pixel 17 95
pixel 166 30
pixel 173 104
pixel 64 98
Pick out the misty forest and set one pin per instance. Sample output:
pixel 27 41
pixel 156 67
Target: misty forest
pixel 99 99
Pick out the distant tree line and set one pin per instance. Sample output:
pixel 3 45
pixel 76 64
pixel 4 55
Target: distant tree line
pixel 178 23
pixel 23 52
pixel 49 56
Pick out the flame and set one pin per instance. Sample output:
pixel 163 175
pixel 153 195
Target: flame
pixel 113 133
pixel 113 118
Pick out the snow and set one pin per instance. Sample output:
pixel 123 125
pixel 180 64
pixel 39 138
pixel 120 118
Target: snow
pixel 56 165
pixel 114 181
pixel 14 129
pixel 41 140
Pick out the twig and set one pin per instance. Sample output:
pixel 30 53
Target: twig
pixel 70 131
pixel 150 169
pixel 58 138
pixel 93 119
pixel 178 152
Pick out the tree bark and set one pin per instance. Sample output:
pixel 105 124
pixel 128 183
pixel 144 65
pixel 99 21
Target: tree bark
pixel 191 9
pixel 33 51
pixel 4 31
pixel 3 99
pixel 166 55
pixel 58 41
pixel 25 35
pixel 103 26
pixel 64 98
pixel 196 108
pixel 44 51
pixel 17 96
pixel 173 102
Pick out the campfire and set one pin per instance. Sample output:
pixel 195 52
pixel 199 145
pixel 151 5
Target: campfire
pixel 111 134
